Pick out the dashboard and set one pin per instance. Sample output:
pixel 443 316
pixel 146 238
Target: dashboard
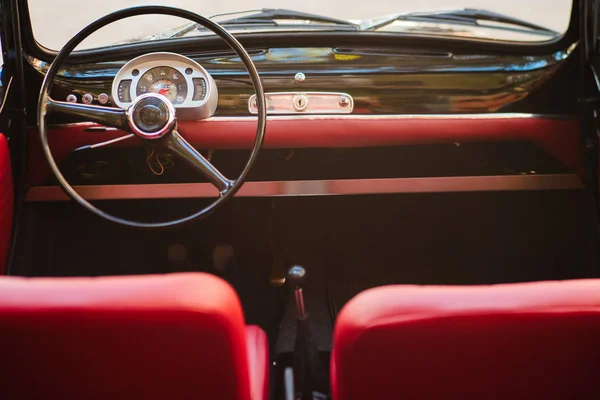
pixel 325 97
pixel 373 81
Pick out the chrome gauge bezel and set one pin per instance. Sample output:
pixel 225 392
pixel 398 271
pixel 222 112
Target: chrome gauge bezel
pixel 189 109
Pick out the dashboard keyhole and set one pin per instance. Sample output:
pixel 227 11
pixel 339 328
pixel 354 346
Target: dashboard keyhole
pixel 300 102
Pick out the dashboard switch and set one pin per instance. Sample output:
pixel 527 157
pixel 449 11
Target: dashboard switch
pixel 103 98
pixel 71 98
pixel 87 98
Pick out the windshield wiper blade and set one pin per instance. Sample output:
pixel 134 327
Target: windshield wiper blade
pixel 271 15
pixel 467 16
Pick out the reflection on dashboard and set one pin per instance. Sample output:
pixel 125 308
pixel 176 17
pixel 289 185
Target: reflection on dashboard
pixel 380 81
pixel 184 82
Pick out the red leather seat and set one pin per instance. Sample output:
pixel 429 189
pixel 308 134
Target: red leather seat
pixel 514 341
pixel 179 336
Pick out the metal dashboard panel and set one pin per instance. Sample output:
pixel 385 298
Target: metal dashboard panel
pixel 305 103
pixel 379 82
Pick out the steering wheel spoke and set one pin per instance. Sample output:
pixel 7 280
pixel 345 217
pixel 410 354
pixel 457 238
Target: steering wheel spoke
pixel 107 116
pixel 177 145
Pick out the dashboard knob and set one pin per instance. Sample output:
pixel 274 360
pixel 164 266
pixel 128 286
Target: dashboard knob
pixel 102 98
pixel 296 276
pixel 71 98
pixel 87 98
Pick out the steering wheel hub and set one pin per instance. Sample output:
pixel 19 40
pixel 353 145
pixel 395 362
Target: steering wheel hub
pixel 151 116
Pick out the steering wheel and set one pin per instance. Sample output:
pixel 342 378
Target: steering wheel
pixel 150 117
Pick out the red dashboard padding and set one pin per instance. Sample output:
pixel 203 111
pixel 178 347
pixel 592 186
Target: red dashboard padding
pixel 6 202
pixel 179 336
pixel 513 341
pixel 558 137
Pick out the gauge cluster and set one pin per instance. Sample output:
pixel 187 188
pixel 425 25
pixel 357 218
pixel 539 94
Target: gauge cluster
pixel 183 81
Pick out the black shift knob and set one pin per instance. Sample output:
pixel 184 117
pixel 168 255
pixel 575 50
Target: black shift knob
pixel 296 276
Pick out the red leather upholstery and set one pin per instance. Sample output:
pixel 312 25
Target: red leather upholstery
pixel 258 362
pixel 6 202
pixel 515 341
pixel 179 336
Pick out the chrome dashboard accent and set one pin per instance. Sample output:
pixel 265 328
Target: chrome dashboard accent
pixel 305 103
pixel 92 127
pixel 317 187
pixel 191 107
pixel 361 117
pixel 393 117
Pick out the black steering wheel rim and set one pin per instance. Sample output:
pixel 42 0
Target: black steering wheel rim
pixel 146 10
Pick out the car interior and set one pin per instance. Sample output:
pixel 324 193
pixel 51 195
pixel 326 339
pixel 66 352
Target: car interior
pixel 300 213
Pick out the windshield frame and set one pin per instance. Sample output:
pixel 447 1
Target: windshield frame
pixel 288 38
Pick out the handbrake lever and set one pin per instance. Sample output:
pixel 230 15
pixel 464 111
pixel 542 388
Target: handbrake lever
pixel 308 371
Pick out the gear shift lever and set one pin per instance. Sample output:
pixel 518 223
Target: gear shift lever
pixel 308 371
pixel 296 276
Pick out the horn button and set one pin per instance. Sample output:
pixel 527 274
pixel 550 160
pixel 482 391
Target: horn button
pixel 151 116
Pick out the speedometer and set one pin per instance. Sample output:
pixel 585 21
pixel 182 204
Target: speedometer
pixel 166 81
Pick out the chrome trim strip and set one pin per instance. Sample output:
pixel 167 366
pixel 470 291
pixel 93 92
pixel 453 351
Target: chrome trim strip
pixel 366 117
pixel 390 117
pixel 317 187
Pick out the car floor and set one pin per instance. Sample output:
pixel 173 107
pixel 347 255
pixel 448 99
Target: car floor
pixel 346 244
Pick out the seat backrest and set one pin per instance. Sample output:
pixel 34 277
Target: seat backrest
pixel 531 341
pixel 148 337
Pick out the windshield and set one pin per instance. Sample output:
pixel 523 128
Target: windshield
pixel 54 22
